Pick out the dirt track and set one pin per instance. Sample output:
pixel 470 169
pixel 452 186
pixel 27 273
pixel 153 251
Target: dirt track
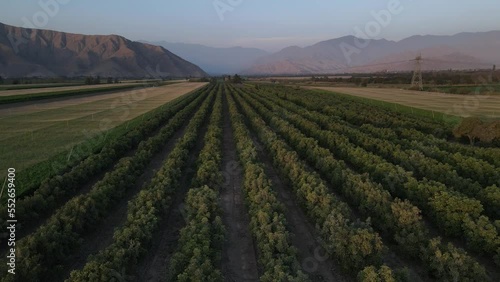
pixel 239 260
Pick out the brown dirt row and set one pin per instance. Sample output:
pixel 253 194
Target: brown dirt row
pixel 239 258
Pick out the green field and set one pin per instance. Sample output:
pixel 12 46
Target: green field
pixel 34 133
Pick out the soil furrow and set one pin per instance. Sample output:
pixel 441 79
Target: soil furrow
pixel 239 259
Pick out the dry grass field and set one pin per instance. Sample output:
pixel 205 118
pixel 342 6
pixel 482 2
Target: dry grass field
pixel 458 105
pixel 32 132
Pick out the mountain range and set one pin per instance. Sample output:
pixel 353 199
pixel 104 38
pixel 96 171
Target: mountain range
pixel 35 52
pixel 351 54
pixel 215 61
pixel 32 52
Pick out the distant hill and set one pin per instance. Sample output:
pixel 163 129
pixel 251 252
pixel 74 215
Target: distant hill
pixel 460 51
pixel 213 60
pixel 51 53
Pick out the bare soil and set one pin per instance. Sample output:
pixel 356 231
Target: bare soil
pixel 239 258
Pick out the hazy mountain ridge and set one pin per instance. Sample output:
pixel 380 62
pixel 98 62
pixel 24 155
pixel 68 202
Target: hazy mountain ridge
pixel 214 60
pixel 35 52
pixel 460 51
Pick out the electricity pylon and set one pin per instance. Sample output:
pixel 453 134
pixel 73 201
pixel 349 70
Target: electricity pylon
pixel 492 73
pixel 416 81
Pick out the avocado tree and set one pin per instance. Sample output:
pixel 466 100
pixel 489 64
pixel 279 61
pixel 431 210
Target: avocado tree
pixel 469 127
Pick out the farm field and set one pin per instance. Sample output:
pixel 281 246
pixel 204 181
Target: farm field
pixel 259 183
pixel 487 106
pixel 38 85
pixel 57 89
pixel 33 131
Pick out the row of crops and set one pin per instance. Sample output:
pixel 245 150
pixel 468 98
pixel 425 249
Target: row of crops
pixel 388 198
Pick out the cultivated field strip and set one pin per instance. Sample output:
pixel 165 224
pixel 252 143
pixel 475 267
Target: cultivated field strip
pixel 53 192
pixel 469 167
pixel 477 230
pixel 404 126
pixel 351 242
pixel 13 92
pixel 144 212
pixel 441 102
pixel 387 213
pixel 417 161
pixel 276 255
pixel 44 133
pixel 55 105
pixel 490 155
pixel 50 245
pixel 312 255
pixel 63 162
pixel 361 112
pixel 199 246
pixel 424 167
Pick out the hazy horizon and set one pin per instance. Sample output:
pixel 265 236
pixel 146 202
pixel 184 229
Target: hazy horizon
pixel 266 25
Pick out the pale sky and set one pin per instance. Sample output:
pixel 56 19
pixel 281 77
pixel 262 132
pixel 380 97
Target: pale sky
pixel 266 24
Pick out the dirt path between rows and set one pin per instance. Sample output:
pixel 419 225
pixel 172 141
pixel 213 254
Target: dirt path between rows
pixel 155 265
pixel 239 259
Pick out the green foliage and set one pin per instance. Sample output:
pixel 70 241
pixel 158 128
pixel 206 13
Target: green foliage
pixel 62 233
pixel 451 210
pixel 355 245
pixel 401 219
pixel 372 274
pixel 451 264
pixel 268 223
pixel 147 208
pixel 394 178
pixel 200 241
pixel 53 191
pixel 481 234
pixel 408 223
